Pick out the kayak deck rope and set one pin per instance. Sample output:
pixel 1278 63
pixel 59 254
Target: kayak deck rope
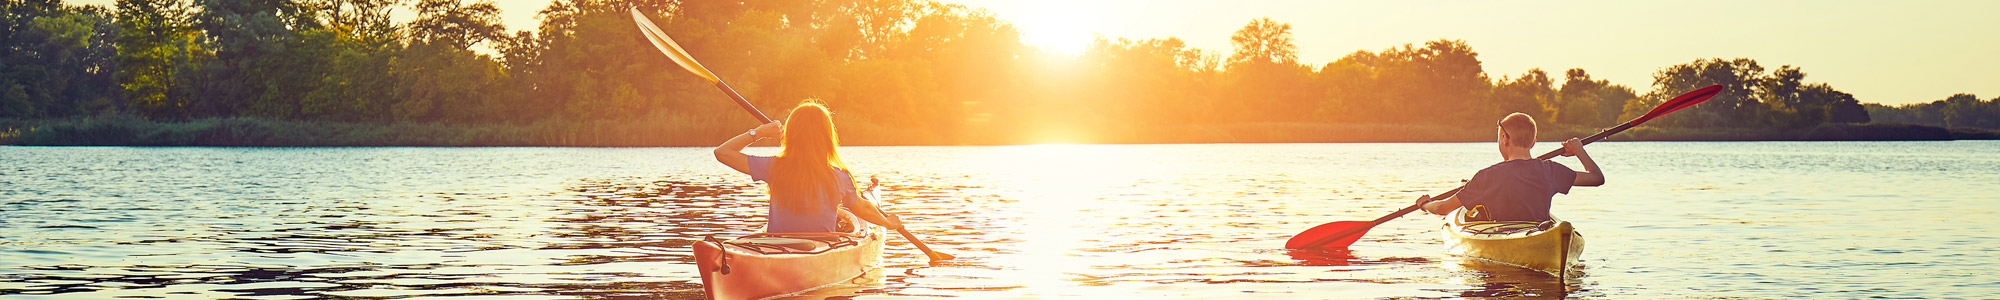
pixel 1475 226
pixel 1507 227
pixel 722 264
pixel 831 242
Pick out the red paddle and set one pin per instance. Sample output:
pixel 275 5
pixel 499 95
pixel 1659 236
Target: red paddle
pixel 1337 235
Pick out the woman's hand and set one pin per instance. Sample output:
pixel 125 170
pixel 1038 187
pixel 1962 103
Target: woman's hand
pixel 894 222
pixel 770 130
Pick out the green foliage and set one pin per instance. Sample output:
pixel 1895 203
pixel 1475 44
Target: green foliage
pixel 158 49
pixel 1957 111
pixel 1441 83
pixel 54 60
pixel 1264 41
pixel 1736 106
pixel 1822 132
pixel 455 25
pixel 1751 97
pixel 1531 94
pixel 341 72
pixel 260 132
pixel 1596 103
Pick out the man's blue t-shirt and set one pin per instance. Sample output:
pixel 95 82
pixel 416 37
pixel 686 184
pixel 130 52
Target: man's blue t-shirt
pixel 781 218
pixel 1517 190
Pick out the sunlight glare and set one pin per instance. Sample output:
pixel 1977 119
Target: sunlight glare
pixel 1058 194
pixel 1057 29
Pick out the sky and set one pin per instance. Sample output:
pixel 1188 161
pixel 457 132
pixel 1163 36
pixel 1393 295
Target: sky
pixel 1890 52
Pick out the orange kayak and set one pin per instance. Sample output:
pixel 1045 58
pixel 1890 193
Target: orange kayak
pixel 768 265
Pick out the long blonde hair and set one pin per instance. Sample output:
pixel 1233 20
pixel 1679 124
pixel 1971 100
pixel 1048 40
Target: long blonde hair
pixel 809 158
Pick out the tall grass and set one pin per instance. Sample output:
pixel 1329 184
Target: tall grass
pixel 706 131
pixel 263 132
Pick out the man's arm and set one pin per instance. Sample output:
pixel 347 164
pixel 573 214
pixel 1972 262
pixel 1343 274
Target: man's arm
pixel 1440 206
pixel 1591 175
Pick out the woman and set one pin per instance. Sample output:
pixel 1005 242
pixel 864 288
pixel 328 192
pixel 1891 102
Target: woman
pixel 808 180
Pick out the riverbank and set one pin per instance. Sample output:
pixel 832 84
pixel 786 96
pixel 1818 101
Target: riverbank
pixel 253 132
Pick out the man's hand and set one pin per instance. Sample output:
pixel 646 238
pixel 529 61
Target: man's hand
pixel 1573 147
pixel 1421 200
pixel 1591 175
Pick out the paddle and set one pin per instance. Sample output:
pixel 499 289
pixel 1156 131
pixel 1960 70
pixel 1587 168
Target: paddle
pixel 681 57
pixel 934 255
pixel 1337 235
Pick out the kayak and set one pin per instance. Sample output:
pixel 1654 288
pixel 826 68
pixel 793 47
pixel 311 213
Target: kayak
pixel 769 265
pixel 1550 247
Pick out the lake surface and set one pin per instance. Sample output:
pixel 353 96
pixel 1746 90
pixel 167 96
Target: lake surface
pixel 1677 220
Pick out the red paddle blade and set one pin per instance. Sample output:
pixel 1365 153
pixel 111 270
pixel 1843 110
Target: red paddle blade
pixel 1328 229
pixel 1685 100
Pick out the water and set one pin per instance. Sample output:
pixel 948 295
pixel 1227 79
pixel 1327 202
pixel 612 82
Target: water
pixel 1677 220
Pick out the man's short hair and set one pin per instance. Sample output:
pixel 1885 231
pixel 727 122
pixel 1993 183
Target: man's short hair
pixel 1520 129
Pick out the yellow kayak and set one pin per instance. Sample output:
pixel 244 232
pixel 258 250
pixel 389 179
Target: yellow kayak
pixel 1550 247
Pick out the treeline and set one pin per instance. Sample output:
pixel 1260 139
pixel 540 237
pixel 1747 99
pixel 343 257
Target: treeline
pixel 1957 111
pixel 896 71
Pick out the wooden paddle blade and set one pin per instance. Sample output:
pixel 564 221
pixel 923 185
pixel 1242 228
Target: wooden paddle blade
pixel 1323 231
pixel 941 256
pixel 934 255
pixel 1685 100
pixel 671 49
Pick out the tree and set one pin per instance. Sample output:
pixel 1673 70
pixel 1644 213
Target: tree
pixel 1264 77
pixel 1786 106
pixel 437 78
pixel 248 38
pixel 55 60
pixel 158 50
pixel 454 24
pixel 1146 82
pixel 1530 94
pixel 1836 106
pixel 1958 110
pixel 1737 105
pixel 1264 40
pixel 1591 102
pixel 1441 83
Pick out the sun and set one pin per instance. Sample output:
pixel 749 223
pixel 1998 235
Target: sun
pixel 1059 30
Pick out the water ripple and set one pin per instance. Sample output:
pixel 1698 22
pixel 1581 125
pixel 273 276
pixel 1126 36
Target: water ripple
pixel 1054 221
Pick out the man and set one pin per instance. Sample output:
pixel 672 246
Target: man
pixel 1521 187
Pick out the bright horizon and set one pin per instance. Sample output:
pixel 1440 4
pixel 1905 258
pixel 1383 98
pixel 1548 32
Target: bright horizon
pixel 1892 53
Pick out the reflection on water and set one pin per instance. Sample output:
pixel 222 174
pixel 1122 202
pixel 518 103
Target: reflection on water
pixel 1778 220
pixel 1496 280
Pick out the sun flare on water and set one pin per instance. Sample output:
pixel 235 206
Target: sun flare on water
pixel 1056 194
